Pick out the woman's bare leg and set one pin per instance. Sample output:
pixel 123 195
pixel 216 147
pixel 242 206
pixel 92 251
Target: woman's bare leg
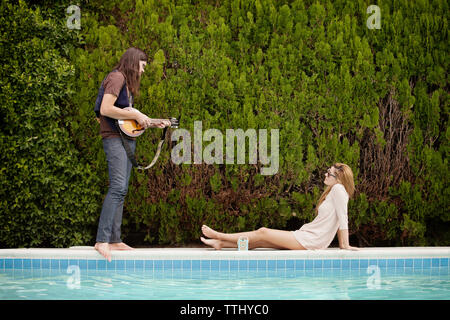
pixel 219 244
pixel 271 238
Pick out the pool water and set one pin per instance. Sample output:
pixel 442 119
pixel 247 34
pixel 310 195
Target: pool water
pixel 353 284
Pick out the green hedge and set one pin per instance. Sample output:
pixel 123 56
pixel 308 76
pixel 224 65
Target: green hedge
pixel 48 193
pixel 376 99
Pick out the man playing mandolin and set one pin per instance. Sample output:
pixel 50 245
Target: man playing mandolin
pixel 120 87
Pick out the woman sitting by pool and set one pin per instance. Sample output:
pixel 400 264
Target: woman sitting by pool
pixel 331 218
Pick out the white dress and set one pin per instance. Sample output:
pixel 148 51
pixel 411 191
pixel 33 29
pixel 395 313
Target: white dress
pixel 332 216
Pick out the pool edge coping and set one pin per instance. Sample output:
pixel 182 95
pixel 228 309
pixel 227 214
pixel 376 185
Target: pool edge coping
pixel 88 253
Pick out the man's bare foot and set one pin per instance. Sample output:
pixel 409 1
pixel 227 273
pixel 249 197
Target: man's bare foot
pixel 120 246
pixel 210 233
pixel 216 244
pixel 103 249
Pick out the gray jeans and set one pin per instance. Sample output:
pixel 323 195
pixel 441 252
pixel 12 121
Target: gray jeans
pixel 119 170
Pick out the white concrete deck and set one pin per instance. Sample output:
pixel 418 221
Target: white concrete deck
pixel 90 253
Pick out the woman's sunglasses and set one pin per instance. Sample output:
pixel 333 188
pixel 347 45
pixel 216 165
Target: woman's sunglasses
pixel 330 174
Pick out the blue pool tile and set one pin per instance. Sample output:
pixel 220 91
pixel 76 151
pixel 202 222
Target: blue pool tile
pixel 290 264
pixel 417 263
pixel 101 264
pixel 435 262
pixel 195 264
pixel 243 265
pixel 82 263
pixel 299 264
pixel 345 264
pixel 364 263
pixel 27 263
pixel 399 263
pixel 262 264
pixel 290 273
pixel 373 262
pixel 382 263
pixel 129 264
pixel 318 264
pixel 167 264
pixel 2 263
pixel 253 264
pixel 234 265
pixel 9 263
pixel 111 266
pixel 391 263
pixel 187 265
pixel 205 265
pixel 63 264
pixel 92 264
pixel 35 263
pixel 326 264
pixel 158 264
pixel 427 263
pixel 354 264
pixel 18 263
pixel 224 265
pixel 215 265
pixel 148 265
pixel 280 272
pixel 409 263
pixel 443 262
pixel 336 263
pixel 271 264
pixel 138 264
pixel 45 263
pixel 309 264
pixel 73 262
pixel 435 272
pixel 176 264
pixel 281 264
pixel 120 265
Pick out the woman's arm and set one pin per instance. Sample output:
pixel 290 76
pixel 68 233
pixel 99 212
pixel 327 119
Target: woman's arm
pixel 343 240
pixel 340 200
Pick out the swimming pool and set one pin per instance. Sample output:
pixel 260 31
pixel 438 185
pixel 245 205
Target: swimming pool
pixel 204 274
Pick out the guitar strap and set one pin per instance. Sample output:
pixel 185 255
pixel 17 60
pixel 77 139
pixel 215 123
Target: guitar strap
pixel 130 153
pixel 132 157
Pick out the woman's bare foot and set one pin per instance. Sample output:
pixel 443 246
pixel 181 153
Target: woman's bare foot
pixel 216 244
pixel 103 249
pixel 210 233
pixel 120 246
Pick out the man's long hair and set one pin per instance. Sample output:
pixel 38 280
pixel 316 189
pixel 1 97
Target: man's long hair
pixel 129 66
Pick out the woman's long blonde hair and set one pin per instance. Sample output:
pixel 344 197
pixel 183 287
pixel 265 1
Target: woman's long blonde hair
pixel 345 176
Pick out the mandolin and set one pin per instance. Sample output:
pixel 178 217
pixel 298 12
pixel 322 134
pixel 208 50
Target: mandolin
pixel 130 127
pixel 133 129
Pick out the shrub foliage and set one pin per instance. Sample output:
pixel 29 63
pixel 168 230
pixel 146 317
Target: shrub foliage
pixel 376 99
